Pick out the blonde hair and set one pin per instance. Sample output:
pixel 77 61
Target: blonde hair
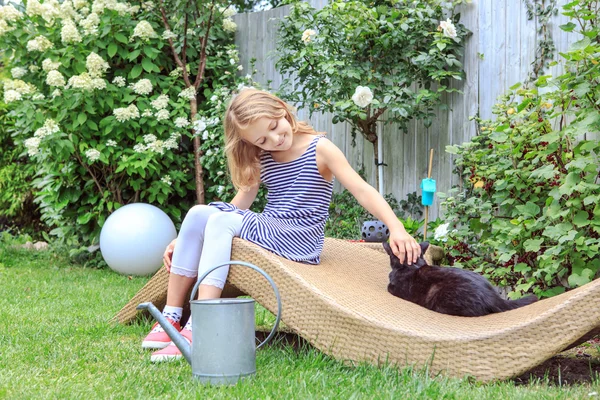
pixel 249 105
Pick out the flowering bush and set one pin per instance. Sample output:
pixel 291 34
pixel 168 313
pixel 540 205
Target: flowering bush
pixel 100 106
pixel 358 60
pixel 528 215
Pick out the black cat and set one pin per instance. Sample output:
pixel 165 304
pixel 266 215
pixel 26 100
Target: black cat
pixel 447 290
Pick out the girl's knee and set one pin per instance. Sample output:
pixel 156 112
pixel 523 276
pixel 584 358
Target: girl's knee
pixel 224 222
pixel 201 211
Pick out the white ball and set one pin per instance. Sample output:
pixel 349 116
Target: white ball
pixel 133 239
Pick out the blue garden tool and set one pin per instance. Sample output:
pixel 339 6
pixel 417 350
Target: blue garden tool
pixel 428 190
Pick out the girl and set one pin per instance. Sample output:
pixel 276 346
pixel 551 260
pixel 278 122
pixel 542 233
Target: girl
pixel 265 143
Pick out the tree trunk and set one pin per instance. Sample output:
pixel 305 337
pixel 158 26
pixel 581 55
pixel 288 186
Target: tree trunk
pixel 198 171
pixel 372 137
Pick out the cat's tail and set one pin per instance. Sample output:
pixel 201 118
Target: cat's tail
pixel 523 301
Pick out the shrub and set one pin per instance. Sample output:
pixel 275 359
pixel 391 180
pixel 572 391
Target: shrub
pixel 528 214
pixel 100 106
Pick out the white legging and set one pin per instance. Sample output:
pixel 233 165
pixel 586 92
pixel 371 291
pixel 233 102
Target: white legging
pixel 204 241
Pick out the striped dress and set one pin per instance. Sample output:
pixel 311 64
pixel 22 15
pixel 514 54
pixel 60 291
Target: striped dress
pixel 293 221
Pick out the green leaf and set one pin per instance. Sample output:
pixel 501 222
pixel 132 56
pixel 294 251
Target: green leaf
pixel 529 209
pixel 499 137
pixel 81 118
pixel 148 65
pixel 582 89
pixel 581 219
pixel 452 149
pixel 112 49
pixel 586 276
pixel 84 218
pixel 135 71
pixel 568 27
pixel 532 245
pixel 121 38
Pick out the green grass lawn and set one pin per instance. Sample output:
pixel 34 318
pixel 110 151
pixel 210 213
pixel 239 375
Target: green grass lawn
pixel 56 342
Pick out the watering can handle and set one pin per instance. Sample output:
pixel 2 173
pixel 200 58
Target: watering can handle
pixel 254 267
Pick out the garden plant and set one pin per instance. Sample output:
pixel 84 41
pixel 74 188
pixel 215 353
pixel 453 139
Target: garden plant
pixel 101 99
pixel 528 214
pixel 371 62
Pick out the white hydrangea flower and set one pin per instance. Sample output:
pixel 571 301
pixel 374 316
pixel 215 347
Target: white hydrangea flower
pixel 161 102
pixel 32 145
pixel 142 87
pixel 147 113
pixel 220 190
pixel 5 28
pixel 40 43
pixel 149 138
pixel 92 154
pixel 68 12
pixel 49 10
pixel 144 31
pixel 173 141
pixel 441 232
pixel 227 12
pixel 139 148
pixel 18 72
pixel 181 122
pixel 148 5
pixel 12 95
pixel 176 73
pixel 162 115
pixel 166 180
pixel 33 68
pixel 55 78
pixel 119 81
pixel 188 93
pixel 38 96
pixel 56 93
pixel 20 86
pixel 83 81
pixel 79 4
pixel 90 24
pixel 240 67
pixel 156 147
pixel 111 143
pixel 167 34
pixel 49 65
pixel 69 33
pixel 96 65
pixel 133 9
pixel 199 125
pixel 308 35
pixel 126 113
pixel 448 28
pixel 229 25
pixel 204 135
pixel 362 96
pixel 10 14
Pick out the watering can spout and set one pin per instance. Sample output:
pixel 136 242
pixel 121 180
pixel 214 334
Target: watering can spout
pixel 175 336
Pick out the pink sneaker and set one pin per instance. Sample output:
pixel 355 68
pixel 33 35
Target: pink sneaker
pixel 171 352
pixel 158 338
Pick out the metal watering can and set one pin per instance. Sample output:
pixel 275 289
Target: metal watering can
pixel 223 337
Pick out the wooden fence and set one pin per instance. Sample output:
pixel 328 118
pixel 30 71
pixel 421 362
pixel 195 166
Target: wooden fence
pixel 498 54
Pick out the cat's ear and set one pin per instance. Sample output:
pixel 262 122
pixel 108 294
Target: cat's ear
pixel 387 248
pixel 424 247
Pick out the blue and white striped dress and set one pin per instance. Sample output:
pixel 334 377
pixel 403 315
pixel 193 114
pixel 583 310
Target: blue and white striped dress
pixel 293 221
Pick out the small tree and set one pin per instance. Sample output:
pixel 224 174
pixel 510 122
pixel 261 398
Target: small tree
pixel 359 60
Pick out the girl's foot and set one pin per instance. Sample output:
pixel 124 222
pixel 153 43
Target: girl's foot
pixel 158 338
pixel 171 352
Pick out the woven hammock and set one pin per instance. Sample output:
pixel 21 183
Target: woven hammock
pixel 342 307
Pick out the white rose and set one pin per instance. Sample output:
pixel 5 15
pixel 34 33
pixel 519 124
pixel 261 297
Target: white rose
pixel 308 35
pixel 362 96
pixel 448 28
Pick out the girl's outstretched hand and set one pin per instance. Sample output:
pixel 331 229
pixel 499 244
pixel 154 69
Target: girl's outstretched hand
pixel 168 255
pixel 404 246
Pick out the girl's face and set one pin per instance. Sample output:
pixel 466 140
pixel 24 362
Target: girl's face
pixel 269 134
